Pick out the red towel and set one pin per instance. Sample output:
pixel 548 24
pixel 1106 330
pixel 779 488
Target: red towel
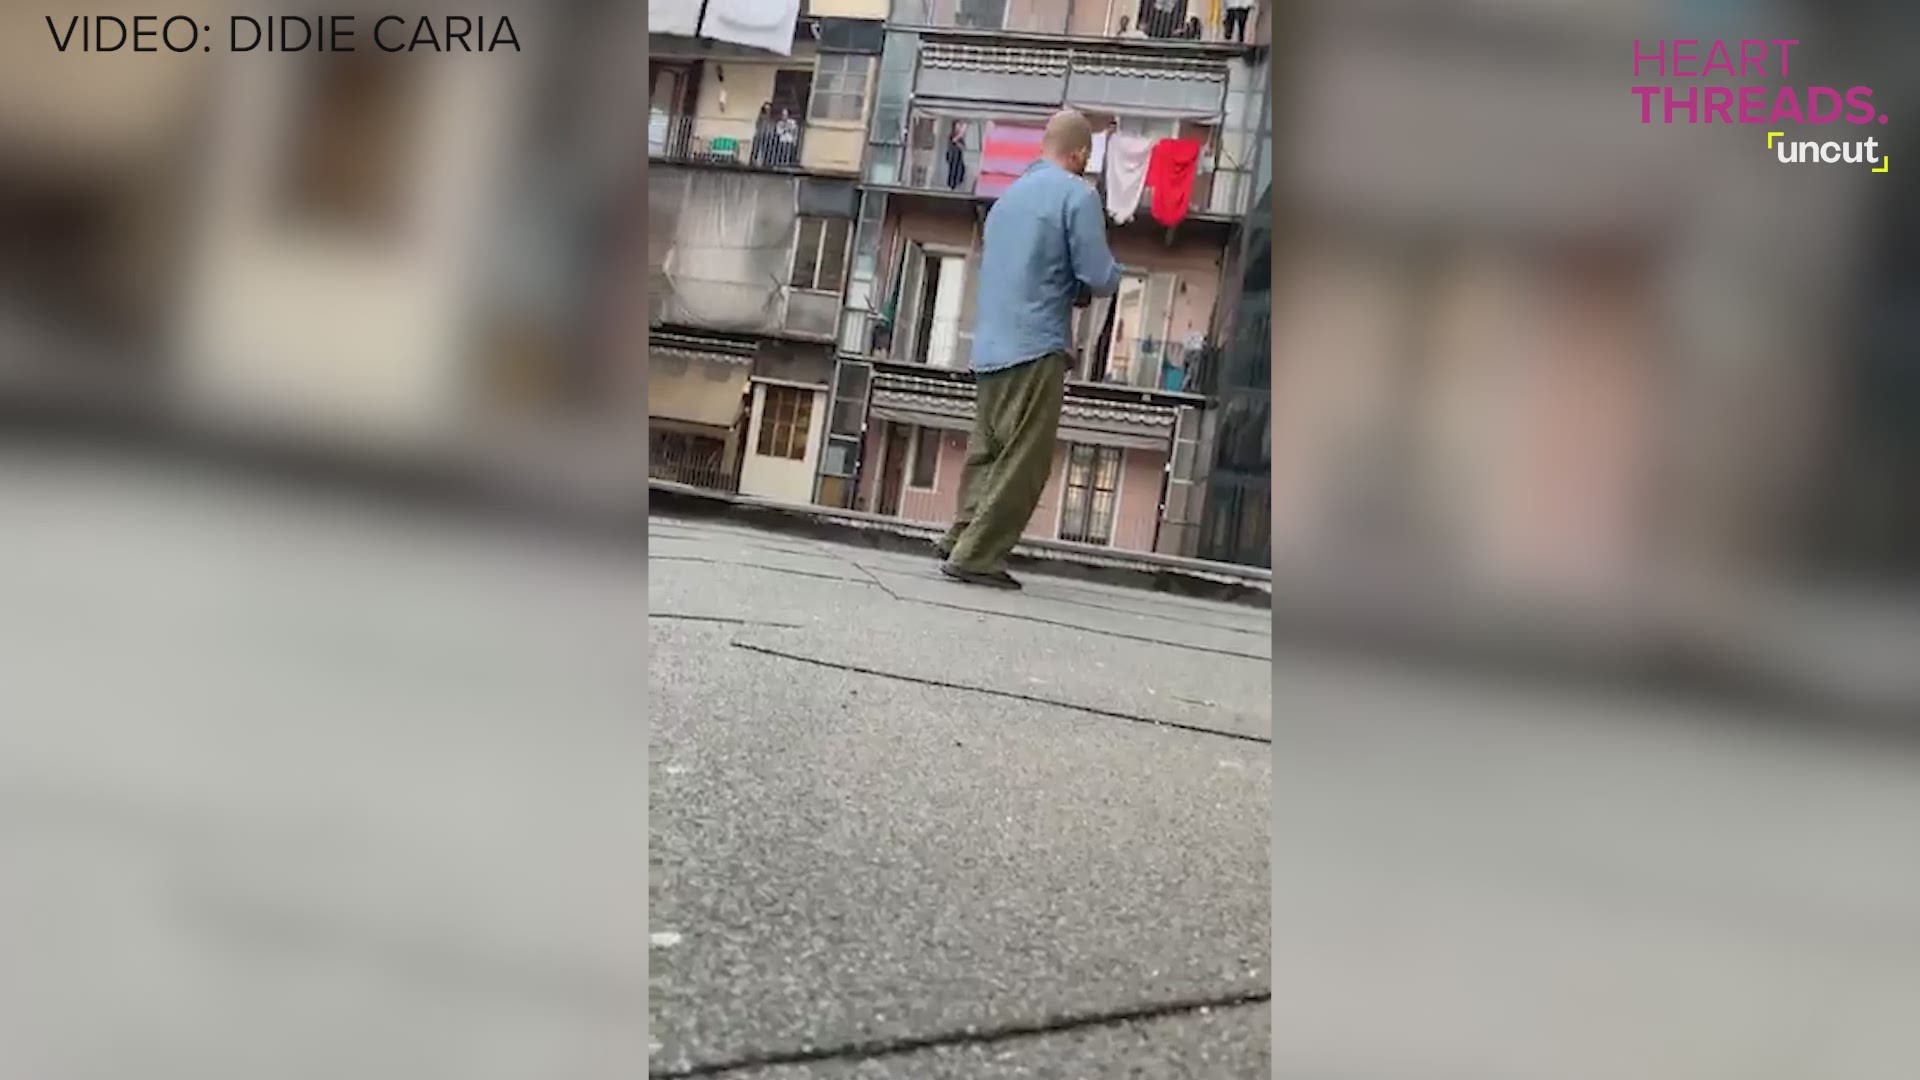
pixel 1170 174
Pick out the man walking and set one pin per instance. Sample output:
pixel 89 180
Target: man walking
pixel 1045 251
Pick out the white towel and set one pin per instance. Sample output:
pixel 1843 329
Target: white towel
pixel 761 24
pixel 1126 174
pixel 677 17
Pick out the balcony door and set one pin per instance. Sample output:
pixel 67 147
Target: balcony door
pixel 669 118
pixel 934 300
pixel 1132 345
pixel 792 91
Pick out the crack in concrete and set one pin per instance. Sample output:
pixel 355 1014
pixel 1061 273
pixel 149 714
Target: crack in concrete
pixel 1055 1025
pixel 725 619
pixel 695 538
pixel 1088 629
pixel 1053 597
pixel 756 566
pixel 871 573
pixel 1034 698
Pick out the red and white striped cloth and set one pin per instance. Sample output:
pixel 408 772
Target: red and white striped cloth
pixel 1006 150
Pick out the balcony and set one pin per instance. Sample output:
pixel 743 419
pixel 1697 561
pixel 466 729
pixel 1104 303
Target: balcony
pixel 693 460
pixel 1145 363
pixel 984 171
pixel 725 140
pixel 1155 364
pixel 1152 25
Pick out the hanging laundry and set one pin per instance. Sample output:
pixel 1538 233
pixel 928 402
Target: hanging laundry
pixel 1006 151
pixel 1170 173
pixel 680 18
pixel 760 24
pixel 1126 174
pixel 1238 11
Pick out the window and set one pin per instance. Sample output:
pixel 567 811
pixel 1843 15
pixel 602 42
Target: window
pixel 820 254
pixel 926 457
pixel 1092 491
pixel 786 414
pixel 347 162
pixel 840 88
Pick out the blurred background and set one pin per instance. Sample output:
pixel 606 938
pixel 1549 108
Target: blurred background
pixel 1502 371
pixel 1530 359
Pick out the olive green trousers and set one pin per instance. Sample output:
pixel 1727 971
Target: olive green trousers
pixel 1009 457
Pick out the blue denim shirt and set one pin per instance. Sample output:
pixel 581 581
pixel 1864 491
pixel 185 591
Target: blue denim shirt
pixel 1045 239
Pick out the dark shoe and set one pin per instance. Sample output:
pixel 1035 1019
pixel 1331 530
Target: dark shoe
pixel 995 579
pixel 943 549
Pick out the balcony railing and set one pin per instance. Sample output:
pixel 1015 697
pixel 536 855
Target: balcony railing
pixel 1178 22
pixel 935 341
pixel 936 169
pixel 688 459
pixel 1145 364
pixel 725 140
pixel 1141 363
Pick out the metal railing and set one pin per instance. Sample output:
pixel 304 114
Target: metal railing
pixel 933 341
pixel 1176 23
pixel 688 459
pixel 726 140
pixel 933 169
pixel 1147 364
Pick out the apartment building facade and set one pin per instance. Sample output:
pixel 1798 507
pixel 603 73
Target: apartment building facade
pixel 753 159
pixel 962 93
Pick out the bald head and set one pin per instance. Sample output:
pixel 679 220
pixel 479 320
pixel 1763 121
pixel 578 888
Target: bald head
pixel 1068 142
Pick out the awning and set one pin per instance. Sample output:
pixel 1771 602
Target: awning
pixel 1130 427
pixel 708 391
pixel 993 59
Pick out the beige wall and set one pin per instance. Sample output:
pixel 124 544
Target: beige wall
pixel 849 9
pixel 357 336
pixel 833 148
pixel 705 393
pixel 747 87
pixel 99 107
pixel 932 227
pixel 1097 18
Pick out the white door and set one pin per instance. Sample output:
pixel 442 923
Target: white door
pixel 783 442
pixel 943 343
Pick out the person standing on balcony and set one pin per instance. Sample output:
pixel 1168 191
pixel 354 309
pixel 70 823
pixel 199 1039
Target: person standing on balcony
pixel 762 135
pixel 786 134
pixel 1044 253
pixel 1237 12
pixel 956 155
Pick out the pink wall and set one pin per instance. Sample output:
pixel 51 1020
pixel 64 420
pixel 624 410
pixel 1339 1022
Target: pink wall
pixel 1134 523
pixel 1140 475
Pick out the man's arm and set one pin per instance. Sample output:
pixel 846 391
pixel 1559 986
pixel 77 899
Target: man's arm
pixel 1093 263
